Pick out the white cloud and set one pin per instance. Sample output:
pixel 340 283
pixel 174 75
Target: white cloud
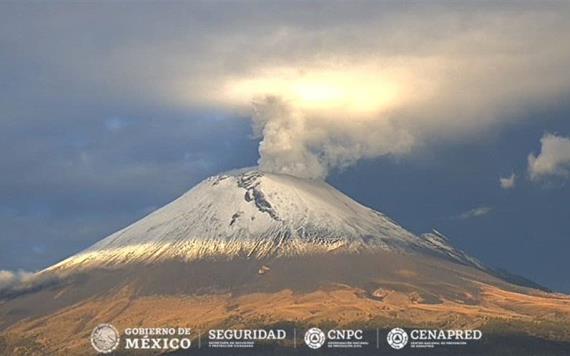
pixel 473 213
pixel 15 282
pixel 508 182
pixel 10 279
pixel 553 159
pixel 328 95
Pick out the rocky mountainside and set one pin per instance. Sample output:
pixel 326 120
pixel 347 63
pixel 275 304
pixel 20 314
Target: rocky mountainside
pixel 256 215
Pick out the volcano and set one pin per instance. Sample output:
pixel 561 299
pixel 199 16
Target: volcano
pixel 259 216
pixel 250 248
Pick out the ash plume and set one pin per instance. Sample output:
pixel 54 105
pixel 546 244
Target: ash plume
pixel 307 144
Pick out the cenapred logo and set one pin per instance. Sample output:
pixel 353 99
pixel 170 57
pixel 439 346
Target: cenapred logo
pixel 397 338
pixel 105 338
pixel 315 338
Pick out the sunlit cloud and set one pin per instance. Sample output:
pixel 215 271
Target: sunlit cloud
pixel 362 90
pixel 357 82
pixel 508 182
pixel 553 159
pixel 10 279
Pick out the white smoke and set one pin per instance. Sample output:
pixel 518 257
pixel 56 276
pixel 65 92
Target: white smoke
pixel 305 144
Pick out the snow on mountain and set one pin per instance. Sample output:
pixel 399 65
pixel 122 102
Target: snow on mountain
pixel 256 214
pixel 441 244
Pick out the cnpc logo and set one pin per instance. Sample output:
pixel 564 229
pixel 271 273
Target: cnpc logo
pixel 315 338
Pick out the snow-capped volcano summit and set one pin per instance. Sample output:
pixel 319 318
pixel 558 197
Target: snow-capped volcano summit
pixel 257 214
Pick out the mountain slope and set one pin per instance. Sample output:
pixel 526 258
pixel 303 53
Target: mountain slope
pixel 257 214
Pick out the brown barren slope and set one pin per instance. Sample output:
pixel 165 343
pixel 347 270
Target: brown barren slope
pixel 366 291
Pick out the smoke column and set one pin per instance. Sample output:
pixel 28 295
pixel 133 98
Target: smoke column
pixel 309 144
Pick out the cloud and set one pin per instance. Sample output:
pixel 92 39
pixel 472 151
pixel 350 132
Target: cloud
pixel 14 283
pixel 367 98
pixel 12 279
pixel 508 182
pixel 473 213
pixel 351 82
pixel 553 159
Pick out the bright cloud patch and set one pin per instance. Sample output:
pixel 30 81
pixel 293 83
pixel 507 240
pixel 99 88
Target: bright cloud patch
pixel 553 159
pixel 9 279
pixel 508 182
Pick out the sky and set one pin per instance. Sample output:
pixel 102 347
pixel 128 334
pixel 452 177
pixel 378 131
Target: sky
pixel 445 115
